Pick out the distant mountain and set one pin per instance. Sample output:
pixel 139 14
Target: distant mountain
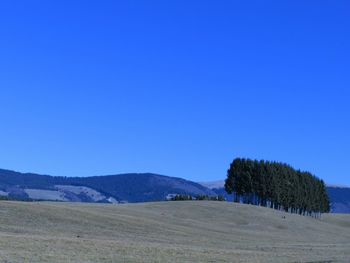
pixel 339 195
pixel 340 199
pixel 122 188
pixel 214 184
pixel 103 189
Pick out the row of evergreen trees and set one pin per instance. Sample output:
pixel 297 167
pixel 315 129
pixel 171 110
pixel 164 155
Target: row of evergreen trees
pixel 278 186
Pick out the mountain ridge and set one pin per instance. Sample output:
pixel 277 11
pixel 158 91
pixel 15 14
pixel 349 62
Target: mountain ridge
pixel 130 187
pixel 124 188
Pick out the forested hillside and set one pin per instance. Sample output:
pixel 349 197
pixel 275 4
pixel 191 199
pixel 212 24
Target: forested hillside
pixel 112 188
pixel 340 199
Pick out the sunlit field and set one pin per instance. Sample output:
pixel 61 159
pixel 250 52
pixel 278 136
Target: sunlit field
pixel 167 232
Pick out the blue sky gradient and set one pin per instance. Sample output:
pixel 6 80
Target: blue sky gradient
pixel 174 87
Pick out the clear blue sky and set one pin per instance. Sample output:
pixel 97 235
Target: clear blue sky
pixel 174 87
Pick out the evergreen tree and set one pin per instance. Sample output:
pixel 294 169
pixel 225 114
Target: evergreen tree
pixel 278 186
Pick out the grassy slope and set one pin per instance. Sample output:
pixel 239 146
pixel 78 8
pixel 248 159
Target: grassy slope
pixel 167 232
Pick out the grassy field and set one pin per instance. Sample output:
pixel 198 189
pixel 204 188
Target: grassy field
pixel 167 232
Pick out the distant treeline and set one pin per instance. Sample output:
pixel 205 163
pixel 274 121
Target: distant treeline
pixel 11 198
pixel 278 186
pixel 198 197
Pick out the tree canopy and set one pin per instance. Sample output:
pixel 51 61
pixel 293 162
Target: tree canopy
pixel 276 185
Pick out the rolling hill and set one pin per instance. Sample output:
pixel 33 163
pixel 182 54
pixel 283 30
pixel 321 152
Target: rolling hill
pixel 167 232
pixel 101 189
pixel 123 188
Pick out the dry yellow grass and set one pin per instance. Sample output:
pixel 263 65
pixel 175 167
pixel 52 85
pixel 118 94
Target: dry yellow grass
pixel 167 232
